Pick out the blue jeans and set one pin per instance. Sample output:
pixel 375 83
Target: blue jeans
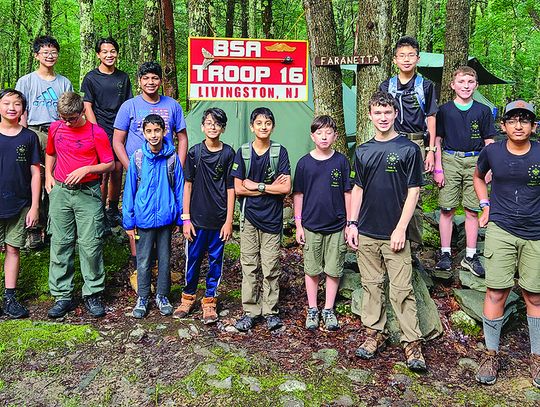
pixel 162 238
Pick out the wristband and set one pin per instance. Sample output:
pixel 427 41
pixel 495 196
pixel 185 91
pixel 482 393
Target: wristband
pixel 352 223
pixel 297 218
pixel 434 149
pixel 186 221
pixel 438 171
pixel 484 203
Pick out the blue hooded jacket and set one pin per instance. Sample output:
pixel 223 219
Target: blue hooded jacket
pixel 153 203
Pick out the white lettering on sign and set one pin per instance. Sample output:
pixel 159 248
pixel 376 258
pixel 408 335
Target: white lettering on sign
pixel 226 48
pixel 231 73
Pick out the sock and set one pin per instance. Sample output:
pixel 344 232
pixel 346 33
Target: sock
pixel 10 292
pixel 534 334
pixel 446 250
pixel 113 205
pixel 134 262
pixel 470 252
pixel 492 332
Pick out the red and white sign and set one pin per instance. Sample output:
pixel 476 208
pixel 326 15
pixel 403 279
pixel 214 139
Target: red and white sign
pixel 247 69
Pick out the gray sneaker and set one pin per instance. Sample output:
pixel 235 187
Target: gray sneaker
pixel 329 319
pixel 474 265
pixel 164 306
pixel 141 308
pixel 312 318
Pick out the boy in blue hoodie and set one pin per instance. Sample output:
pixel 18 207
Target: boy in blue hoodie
pixel 151 208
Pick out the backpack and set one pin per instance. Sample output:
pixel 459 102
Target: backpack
pixel 171 163
pixel 418 90
pixel 198 154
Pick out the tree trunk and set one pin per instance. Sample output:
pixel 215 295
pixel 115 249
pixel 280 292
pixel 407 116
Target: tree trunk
pixel 267 19
pixel 252 18
pixel 399 25
pixel 17 15
pixel 229 24
pixel 373 39
pixel 149 32
pixel 456 47
pixel 47 17
pixel 412 18
pixel 168 50
pixel 327 81
pixel 86 31
pixel 199 23
pixel 244 5
pixel 425 32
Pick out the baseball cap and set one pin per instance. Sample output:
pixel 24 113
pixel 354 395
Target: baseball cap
pixel 519 105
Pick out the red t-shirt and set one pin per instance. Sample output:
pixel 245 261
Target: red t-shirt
pixel 77 147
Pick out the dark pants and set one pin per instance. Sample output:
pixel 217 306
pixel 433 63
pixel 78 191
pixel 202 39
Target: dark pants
pixel 162 238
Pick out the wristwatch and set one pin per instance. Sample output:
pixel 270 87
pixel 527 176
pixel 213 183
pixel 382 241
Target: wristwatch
pixel 185 216
pixel 434 149
pixel 352 222
pixel 484 204
pixel 261 187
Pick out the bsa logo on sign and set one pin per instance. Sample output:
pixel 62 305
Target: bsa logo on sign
pixel 247 69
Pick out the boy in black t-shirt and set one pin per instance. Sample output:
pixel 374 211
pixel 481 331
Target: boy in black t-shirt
pixel 261 172
pixel 464 127
pixel 513 232
pixel 20 189
pixel 105 89
pixel 388 175
pixel 322 193
pixel 208 212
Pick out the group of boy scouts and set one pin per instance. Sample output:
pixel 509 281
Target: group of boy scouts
pixel 62 158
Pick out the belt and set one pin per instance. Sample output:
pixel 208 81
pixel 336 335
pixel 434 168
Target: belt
pixel 41 127
pixel 415 136
pixel 462 154
pixel 85 185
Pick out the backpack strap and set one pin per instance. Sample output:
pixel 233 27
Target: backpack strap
pixel 275 149
pixel 392 86
pixel 171 164
pixel 246 156
pixel 419 91
pixel 197 149
pixel 138 164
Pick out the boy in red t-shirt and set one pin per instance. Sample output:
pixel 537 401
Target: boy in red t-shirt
pixel 77 153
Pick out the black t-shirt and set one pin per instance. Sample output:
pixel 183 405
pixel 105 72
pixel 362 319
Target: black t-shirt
pixel 211 177
pixel 323 183
pixel 106 93
pixel 410 117
pixel 464 130
pixel 17 154
pixel 515 188
pixel 265 212
pixel 385 170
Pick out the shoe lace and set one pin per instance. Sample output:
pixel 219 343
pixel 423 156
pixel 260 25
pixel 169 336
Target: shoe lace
pixel 313 312
pixel 488 365
pixel 414 352
pixel 162 301
pixel 142 302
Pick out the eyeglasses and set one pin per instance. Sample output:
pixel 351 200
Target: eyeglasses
pixel 71 119
pixel 213 124
pixel 406 56
pixel 513 122
pixel 53 54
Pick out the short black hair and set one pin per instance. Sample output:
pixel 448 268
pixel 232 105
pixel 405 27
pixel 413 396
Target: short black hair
pixel 44 41
pixel 153 119
pixel 407 41
pixel 150 67
pixel 262 111
pixel 217 114
pixel 381 98
pixel 520 114
pixel 10 91
pixel 323 121
pixel 108 40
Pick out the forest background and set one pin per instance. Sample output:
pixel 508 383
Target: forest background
pixel 503 34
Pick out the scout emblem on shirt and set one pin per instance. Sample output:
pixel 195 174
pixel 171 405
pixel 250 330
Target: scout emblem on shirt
pixel 475 129
pixel 21 153
pixel 335 177
pixel 534 175
pixel 391 162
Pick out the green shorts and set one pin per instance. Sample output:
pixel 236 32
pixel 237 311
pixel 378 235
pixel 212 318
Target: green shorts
pixel 504 254
pixel 458 182
pixel 13 230
pixel 324 253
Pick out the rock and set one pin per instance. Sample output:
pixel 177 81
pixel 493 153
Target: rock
pixel 288 214
pixel 194 329
pixel 461 321
pixel 210 369
pixel 137 334
pixel 472 302
pixel 88 378
pixel 104 344
pixel 349 282
pixel 252 382
pixel 345 401
pixel 468 364
pixel 428 315
pixel 184 333
pixel 351 262
pixel 231 329
pixel 202 351
pixel 291 401
pixel 532 395
pixel 292 385
pixel 224 313
pixel 361 376
pixel 161 327
pixel 402 379
pixel 469 280
pixel 385 402
pixel 328 356
pixel 442 274
pixel 224 384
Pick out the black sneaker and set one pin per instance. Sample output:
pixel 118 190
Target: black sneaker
pixel 245 323
pixel 474 265
pixel 444 261
pixel 14 309
pixel 273 322
pixel 61 308
pixel 94 305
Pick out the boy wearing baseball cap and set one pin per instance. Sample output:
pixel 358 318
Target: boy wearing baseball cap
pixel 512 216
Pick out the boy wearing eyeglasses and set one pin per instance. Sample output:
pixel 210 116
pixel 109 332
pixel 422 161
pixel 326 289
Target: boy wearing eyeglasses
pixel 208 212
pixel 42 89
pixel 512 216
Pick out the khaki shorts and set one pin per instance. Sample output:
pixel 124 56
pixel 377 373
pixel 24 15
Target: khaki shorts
pixel 324 253
pixel 13 230
pixel 506 253
pixel 458 182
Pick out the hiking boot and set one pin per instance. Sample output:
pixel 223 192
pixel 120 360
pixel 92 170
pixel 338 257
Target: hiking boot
pixel 34 239
pixel 61 308
pixel 488 368
pixel 329 319
pixel 133 281
pixel 312 318
pixel 94 305
pixel 209 313
pixel 444 261
pixel 535 370
pixel 164 306
pixel 14 309
pixel 375 342
pixel 413 354
pixel 273 322
pixel 141 307
pixel 186 306
pixel 245 323
pixel 474 265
